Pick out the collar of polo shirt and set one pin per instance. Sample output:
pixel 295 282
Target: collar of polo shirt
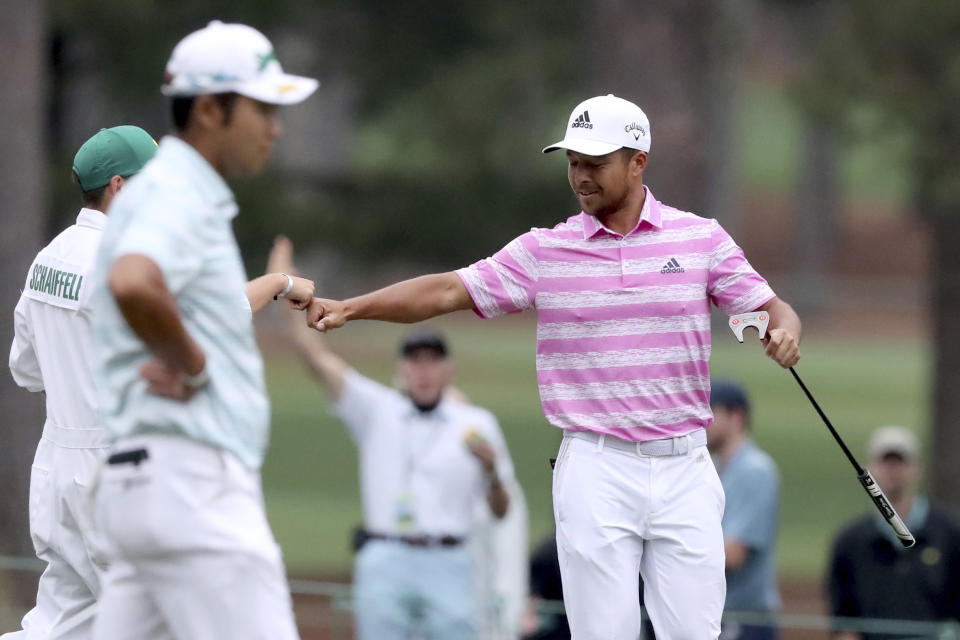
pixel 209 184
pixel 650 213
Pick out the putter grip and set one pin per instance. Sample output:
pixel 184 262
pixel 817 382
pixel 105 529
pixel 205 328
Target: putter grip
pixel 886 509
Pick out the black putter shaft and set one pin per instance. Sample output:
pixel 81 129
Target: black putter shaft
pixel 863 475
pixel 826 421
pixel 759 320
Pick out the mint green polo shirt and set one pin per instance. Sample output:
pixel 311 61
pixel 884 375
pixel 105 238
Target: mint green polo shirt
pixel 178 212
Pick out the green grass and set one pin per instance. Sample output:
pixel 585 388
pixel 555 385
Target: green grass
pixel 310 476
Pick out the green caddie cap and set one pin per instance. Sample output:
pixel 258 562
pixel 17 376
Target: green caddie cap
pixel 118 151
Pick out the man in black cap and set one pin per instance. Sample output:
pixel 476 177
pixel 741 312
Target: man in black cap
pixel 751 483
pixel 424 462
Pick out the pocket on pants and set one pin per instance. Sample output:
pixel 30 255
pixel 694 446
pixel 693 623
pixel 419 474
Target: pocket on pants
pixel 559 472
pixel 714 480
pixel 41 508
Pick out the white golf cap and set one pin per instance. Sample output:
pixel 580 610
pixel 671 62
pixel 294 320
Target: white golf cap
pixel 892 440
pixel 225 58
pixel 602 125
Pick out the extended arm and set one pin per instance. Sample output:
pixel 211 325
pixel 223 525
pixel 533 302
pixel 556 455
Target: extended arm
pixel 260 291
pixel 408 301
pixel 782 343
pixel 329 368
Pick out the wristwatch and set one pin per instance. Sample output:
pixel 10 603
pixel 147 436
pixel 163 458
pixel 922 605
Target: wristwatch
pixel 196 380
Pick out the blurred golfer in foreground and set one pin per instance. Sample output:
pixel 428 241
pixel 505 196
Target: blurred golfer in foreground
pixel 180 376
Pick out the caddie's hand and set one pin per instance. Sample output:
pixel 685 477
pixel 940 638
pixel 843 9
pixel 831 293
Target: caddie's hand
pixel 164 381
pixel 302 292
pixel 481 449
pixel 782 347
pixel 281 257
pixel 324 315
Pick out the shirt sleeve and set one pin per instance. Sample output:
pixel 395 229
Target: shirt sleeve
pixel 751 512
pixel 24 365
pixel 177 243
pixel 359 401
pixel 505 282
pixel 734 286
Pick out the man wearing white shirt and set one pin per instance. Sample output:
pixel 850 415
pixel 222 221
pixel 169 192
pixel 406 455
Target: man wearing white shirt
pixel 180 377
pixel 52 352
pixel 424 460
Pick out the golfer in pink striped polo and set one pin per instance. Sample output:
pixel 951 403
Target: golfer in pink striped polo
pixel 622 292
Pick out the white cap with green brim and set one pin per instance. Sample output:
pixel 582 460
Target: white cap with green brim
pixel 232 58
pixel 603 124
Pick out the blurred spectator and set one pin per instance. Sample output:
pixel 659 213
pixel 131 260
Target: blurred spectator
pixel 871 574
pixel 751 483
pixel 424 462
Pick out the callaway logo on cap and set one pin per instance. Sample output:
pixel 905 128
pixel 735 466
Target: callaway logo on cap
pixel 224 58
pixel 602 125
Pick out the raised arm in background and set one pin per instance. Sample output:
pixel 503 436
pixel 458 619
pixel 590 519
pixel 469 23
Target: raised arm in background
pixel 329 368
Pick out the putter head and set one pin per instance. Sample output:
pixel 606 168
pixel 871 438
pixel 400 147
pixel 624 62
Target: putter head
pixel 758 319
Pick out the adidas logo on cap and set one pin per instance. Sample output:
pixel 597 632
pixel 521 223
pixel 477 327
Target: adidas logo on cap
pixel 582 122
pixel 603 124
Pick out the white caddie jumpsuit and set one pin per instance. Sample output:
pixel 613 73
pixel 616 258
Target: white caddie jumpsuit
pixel 51 352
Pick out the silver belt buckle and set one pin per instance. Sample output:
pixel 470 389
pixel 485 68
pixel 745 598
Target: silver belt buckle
pixel 639 445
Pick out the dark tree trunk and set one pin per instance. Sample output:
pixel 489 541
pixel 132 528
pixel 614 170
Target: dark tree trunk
pixel 816 217
pixel 22 204
pixel 945 311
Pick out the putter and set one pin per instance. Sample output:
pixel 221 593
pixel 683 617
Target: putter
pixel 760 320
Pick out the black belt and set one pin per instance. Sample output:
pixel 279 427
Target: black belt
pixel 419 540
pixel 134 456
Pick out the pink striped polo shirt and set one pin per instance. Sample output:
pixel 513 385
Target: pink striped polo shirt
pixel 623 322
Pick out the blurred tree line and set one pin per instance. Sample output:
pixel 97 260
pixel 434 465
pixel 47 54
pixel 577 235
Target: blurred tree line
pixel 900 62
pixel 423 142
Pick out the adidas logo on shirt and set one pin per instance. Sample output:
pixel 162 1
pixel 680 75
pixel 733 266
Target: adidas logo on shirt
pixel 672 267
pixel 582 121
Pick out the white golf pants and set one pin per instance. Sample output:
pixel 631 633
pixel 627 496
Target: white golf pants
pixel 620 514
pixel 192 556
pixel 62 532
